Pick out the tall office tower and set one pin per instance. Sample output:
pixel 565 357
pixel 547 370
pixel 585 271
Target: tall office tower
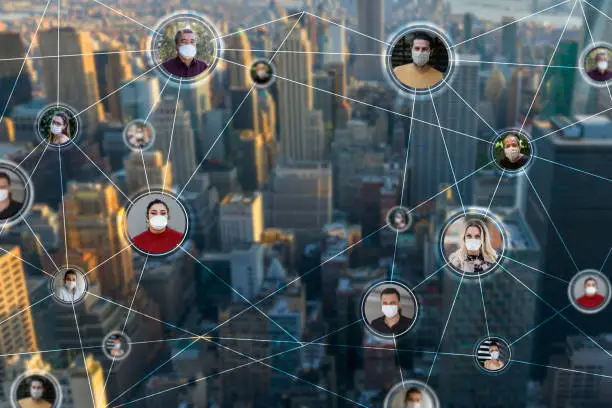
pixel 240 219
pixel 23 117
pixel 209 140
pixel 18 334
pixel 379 363
pixel 9 70
pixel 147 169
pixel 93 222
pixel 238 74
pixel 111 70
pixel 428 156
pixel 202 200
pixel 333 266
pixel 337 42
pixel 76 381
pixel 509 39
pixel 197 100
pixel 567 196
pixel 522 89
pixel 371 22
pixel 486 182
pixel 248 115
pixel 456 375
pixel 77 85
pixel 295 101
pixel 299 197
pixel 560 85
pixel 182 149
pixel 138 97
pixel 251 160
pixel 323 101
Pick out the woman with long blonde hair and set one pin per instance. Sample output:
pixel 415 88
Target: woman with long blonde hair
pixel 476 253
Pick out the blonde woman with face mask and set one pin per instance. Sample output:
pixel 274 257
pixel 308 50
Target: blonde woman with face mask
pixel 475 253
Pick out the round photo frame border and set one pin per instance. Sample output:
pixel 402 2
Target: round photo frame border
pixel 447 78
pixel 415 383
pixel 156 66
pixel 409 222
pixel 75 116
pixel 61 270
pixel 125 137
pixel 478 212
pixel 133 201
pixel 532 147
pixel 475 354
pixel 41 373
pixel 28 188
pixel 572 282
pixel 128 343
pixel 272 67
pixel 581 63
pixel 367 292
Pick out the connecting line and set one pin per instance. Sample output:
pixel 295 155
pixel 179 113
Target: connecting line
pixel 128 17
pixel 102 263
pixel 8 101
pixel 551 221
pixel 399 364
pixel 25 309
pixel 236 110
pixel 59 159
pixel 571 124
pixel 25 262
pixel 430 275
pixel 348 28
pixel 178 96
pixel 29 154
pixel 76 322
pixel 562 369
pixel 518 64
pixel 367 104
pixel 542 323
pixel 484 308
pixel 72 55
pixel 239 294
pixel 537 93
pixel 598 10
pixel 573 168
pixel 256 26
pixel 605 260
pixel 555 310
pixel 59 6
pixel 41 245
pixel 26 353
pixel 586 22
pixel 308 52
pixel 446 149
pixel 471 108
pixel 510 23
pixel 537 270
pixel 444 330
pixel 495 192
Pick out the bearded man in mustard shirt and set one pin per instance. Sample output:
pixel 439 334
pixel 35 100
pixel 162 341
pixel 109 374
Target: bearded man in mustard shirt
pixel 419 74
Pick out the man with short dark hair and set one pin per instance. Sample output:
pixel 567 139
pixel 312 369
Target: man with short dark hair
pixel 35 400
pixel 513 158
pixel 419 74
pixel 185 64
pixel 158 238
pixel 413 398
pixel 8 207
pixel 392 321
pixel 70 291
pixel 601 72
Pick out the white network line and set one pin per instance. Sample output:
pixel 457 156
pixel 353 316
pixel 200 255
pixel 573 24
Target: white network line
pixel 243 30
pixel 72 55
pixel 76 323
pixel 178 96
pixel 59 160
pixel 128 17
pixel 571 124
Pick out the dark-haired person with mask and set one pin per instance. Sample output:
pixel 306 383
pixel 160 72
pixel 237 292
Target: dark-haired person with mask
pixel 35 400
pixel 69 292
pixel 158 238
pixel 413 398
pixel 8 207
pixel 185 64
pixel 513 158
pixel 392 321
pixel 419 74
pixel 59 131
pixel 493 363
pixel 601 72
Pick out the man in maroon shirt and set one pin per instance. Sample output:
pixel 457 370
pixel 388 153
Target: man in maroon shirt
pixel 185 64
pixel 158 238
pixel 591 298
pixel 601 73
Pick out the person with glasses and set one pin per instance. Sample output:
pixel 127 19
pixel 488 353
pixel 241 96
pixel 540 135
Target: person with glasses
pixel 185 64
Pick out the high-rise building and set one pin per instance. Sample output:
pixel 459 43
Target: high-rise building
pixel 509 39
pixel 112 67
pixel 138 97
pixel 147 169
pixel 24 116
pixel 211 139
pixel 202 201
pixel 240 219
pixel 238 50
pixel 252 160
pixel 76 82
pixel 80 382
pixel 19 90
pixel 429 158
pixel 371 22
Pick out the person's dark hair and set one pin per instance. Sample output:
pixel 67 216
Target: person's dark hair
pixel 494 344
pixel 514 135
pixel 179 34
pixel 419 35
pixel 412 390
pixel 66 120
pixel 35 378
pixel 590 279
pixel 69 272
pixel 390 291
pixel 6 177
pixel 156 201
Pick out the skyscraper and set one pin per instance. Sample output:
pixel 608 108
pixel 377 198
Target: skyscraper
pixel 240 219
pixel 146 169
pixel 111 70
pixel 238 51
pixel 138 97
pixel 9 70
pixel 371 22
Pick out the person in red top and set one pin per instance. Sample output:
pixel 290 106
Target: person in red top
pixel 158 238
pixel 591 298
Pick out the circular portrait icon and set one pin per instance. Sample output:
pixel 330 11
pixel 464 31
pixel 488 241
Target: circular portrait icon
pixel 16 193
pixel 472 243
pixel 156 223
pixel 411 394
pixel 595 63
pixel 57 125
pixel 589 291
pixel 399 219
pixel 512 151
pixel 493 355
pixel 185 47
pixel 389 309
pixel 262 73
pixel 116 346
pixel 420 59
pixel 69 285
pixel 36 389
pixel 139 135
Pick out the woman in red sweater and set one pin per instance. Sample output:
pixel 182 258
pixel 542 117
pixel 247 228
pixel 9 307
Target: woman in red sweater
pixel 158 238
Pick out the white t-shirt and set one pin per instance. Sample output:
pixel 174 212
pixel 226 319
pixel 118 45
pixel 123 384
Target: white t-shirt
pixel 65 295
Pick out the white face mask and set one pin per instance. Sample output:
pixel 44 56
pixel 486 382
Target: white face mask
pixel 139 135
pixel 36 393
pixel 261 74
pixel 56 130
pixel 413 405
pixel 4 194
pixel 494 355
pixel 590 290
pixel 389 310
pixel 512 153
pixel 473 244
pixel 70 285
pixel 158 222
pixel 117 346
pixel 420 58
pixel 602 65
pixel 187 50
